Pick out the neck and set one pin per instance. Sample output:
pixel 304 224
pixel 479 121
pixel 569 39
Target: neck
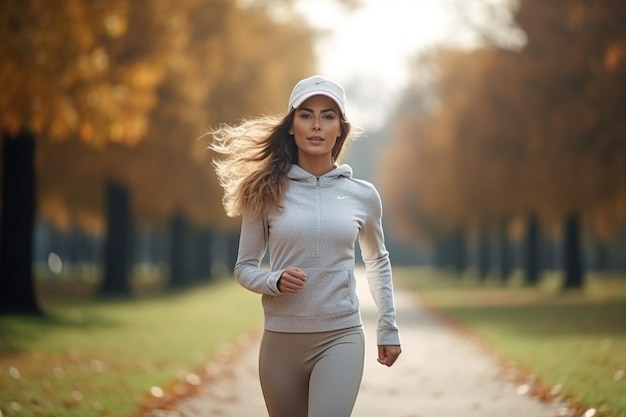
pixel 317 166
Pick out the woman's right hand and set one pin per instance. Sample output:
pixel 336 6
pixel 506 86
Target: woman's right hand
pixel 291 280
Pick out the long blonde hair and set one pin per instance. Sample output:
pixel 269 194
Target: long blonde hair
pixel 257 154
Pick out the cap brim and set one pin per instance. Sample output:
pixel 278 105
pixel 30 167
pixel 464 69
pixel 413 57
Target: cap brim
pixel 297 103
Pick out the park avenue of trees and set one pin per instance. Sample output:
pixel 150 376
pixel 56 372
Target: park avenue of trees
pixel 102 106
pixel 500 146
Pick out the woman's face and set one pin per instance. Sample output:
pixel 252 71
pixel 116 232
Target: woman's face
pixel 316 126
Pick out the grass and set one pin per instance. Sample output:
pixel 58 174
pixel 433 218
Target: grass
pixel 574 343
pixel 103 358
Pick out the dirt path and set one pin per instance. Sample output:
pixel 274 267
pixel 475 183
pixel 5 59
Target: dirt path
pixel 440 374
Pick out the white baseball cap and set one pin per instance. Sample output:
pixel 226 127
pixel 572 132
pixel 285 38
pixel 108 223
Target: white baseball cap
pixel 317 85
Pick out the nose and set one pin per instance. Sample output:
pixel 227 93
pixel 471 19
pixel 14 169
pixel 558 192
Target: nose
pixel 316 123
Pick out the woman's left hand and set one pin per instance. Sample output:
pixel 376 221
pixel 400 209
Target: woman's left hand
pixel 387 354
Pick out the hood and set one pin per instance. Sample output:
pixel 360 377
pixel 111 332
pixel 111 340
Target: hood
pixel 298 173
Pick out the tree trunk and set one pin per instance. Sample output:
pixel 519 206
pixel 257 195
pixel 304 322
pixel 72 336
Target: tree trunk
pixel 449 251
pixel 17 283
pixel 531 263
pixel 441 252
pixel 600 256
pixel 180 254
pixel 117 247
pixel 233 250
pixel 572 253
pixel 505 251
pixel 483 256
pixel 203 254
pixel 459 251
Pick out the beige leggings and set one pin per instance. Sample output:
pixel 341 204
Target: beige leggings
pixel 311 374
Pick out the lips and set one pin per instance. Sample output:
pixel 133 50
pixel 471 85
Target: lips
pixel 315 139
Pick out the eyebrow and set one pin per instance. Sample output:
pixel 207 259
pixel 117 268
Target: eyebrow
pixel 323 111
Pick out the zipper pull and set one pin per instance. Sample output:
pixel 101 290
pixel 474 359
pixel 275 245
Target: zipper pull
pixel 317 181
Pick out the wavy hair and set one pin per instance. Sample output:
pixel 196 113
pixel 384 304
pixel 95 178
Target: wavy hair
pixel 256 156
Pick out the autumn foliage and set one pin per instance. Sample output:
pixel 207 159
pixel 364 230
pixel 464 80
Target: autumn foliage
pixel 119 94
pixel 153 75
pixel 489 137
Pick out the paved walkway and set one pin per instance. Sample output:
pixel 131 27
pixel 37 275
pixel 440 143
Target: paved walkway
pixel 439 374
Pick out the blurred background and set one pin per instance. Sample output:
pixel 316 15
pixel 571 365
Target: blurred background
pixel 492 129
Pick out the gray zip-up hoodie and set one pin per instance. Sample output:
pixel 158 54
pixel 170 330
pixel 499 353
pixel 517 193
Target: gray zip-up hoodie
pixel 321 219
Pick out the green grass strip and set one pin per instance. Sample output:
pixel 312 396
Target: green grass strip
pixel 574 342
pixel 101 358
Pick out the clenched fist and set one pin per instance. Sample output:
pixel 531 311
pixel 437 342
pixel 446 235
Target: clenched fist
pixel 291 280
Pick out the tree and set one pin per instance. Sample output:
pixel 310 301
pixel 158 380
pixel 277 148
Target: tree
pixel 17 236
pixel 72 69
pixel 58 80
pixel 118 247
pixel 167 173
pixel 225 76
pixel 528 132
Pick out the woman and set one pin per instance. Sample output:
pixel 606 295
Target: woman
pixel 281 175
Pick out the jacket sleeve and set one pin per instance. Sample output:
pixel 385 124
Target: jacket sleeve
pixel 252 246
pixel 378 269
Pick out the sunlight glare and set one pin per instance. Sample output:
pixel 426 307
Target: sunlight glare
pixel 523 389
pixel 157 392
pixel 14 372
pixel 58 372
pixel 55 263
pixel 77 395
pixel 193 379
pixel 369 50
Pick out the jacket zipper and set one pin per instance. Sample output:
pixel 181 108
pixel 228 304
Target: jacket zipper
pixel 318 220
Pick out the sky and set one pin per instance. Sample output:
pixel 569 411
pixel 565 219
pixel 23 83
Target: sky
pixel 372 46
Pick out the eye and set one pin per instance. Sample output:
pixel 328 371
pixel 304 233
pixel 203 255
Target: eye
pixel 305 115
pixel 329 116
